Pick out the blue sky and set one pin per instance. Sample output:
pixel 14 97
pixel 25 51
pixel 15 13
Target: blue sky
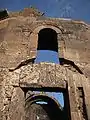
pixel 75 9
pixel 57 95
pixel 47 56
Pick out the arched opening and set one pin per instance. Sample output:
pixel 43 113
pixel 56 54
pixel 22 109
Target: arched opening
pixel 49 111
pixel 47 40
pixel 47 49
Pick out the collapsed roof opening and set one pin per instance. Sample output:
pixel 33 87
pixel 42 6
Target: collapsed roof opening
pixel 49 111
pixel 44 101
pixel 47 40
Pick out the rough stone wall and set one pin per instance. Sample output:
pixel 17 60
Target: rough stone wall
pixel 18 48
pixel 41 75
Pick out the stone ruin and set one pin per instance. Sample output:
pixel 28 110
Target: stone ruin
pixel 21 77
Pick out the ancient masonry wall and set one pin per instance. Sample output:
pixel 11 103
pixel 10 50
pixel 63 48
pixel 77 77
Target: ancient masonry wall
pixel 15 83
pixel 18 49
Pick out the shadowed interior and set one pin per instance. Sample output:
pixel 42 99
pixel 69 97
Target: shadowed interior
pixel 3 14
pixel 47 40
pixel 49 111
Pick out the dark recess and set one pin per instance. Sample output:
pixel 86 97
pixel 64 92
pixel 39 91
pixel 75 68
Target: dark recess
pixel 3 14
pixel 47 40
pixel 82 105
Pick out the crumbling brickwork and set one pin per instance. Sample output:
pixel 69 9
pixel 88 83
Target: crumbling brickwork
pixel 19 74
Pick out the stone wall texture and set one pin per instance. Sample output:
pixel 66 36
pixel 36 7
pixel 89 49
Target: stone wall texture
pixel 18 49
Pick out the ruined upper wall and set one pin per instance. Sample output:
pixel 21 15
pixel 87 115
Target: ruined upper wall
pixel 27 12
pixel 19 39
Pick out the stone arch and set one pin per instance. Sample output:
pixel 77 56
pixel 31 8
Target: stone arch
pixel 34 38
pixel 45 97
pixel 52 110
pixel 37 29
